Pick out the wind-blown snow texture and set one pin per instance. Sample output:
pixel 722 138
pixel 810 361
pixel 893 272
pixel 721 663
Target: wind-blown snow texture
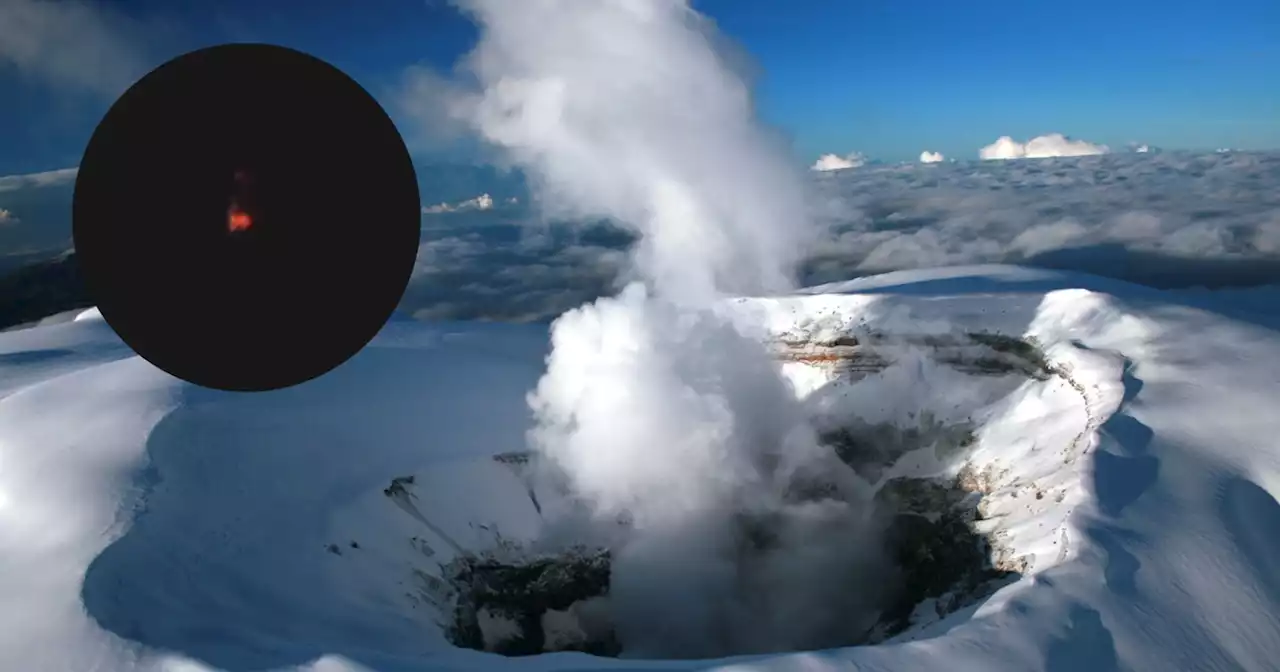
pixel 145 524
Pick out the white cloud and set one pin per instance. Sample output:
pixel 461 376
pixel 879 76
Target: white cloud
pixel 70 44
pixel 1041 147
pixel 481 202
pixel 931 157
pixel 7 217
pixel 828 162
pixel 35 180
pixel 1003 148
pixel 430 109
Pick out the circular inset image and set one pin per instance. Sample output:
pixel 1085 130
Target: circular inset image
pixel 246 217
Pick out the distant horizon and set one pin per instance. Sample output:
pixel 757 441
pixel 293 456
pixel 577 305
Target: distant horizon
pixel 11 182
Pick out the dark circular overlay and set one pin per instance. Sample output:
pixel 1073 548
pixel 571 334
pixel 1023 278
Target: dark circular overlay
pixel 246 217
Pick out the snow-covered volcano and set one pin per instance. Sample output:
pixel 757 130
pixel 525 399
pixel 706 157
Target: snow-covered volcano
pixel 1108 452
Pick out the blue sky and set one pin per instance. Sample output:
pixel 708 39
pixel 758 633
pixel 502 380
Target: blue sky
pixel 886 78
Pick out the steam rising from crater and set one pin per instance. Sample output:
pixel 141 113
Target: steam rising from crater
pixel 656 403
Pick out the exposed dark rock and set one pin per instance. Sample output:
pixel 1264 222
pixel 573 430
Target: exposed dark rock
pixel 520 458
pixel 871 449
pixel 932 540
pixel 977 353
pixel 398 486
pixel 944 564
pixel 1014 354
pixel 920 496
pixel 929 536
pixel 522 592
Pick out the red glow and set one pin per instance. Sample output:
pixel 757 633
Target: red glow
pixel 238 220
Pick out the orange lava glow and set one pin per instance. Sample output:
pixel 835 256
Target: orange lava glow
pixel 238 220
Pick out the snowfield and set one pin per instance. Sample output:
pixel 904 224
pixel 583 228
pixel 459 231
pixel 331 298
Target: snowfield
pixel 1128 484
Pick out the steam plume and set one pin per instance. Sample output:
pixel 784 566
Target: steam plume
pixel 657 403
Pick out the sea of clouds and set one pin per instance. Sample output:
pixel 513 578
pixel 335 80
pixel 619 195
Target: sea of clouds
pixel 1169 219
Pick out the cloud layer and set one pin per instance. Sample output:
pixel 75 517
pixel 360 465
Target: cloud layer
pixel 1102 214
pixel 35 216
pixel 931 157
pixel 1040 147
pixel 49 178
pixel 1168 218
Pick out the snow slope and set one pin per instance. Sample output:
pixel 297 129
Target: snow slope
pixel 146 524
